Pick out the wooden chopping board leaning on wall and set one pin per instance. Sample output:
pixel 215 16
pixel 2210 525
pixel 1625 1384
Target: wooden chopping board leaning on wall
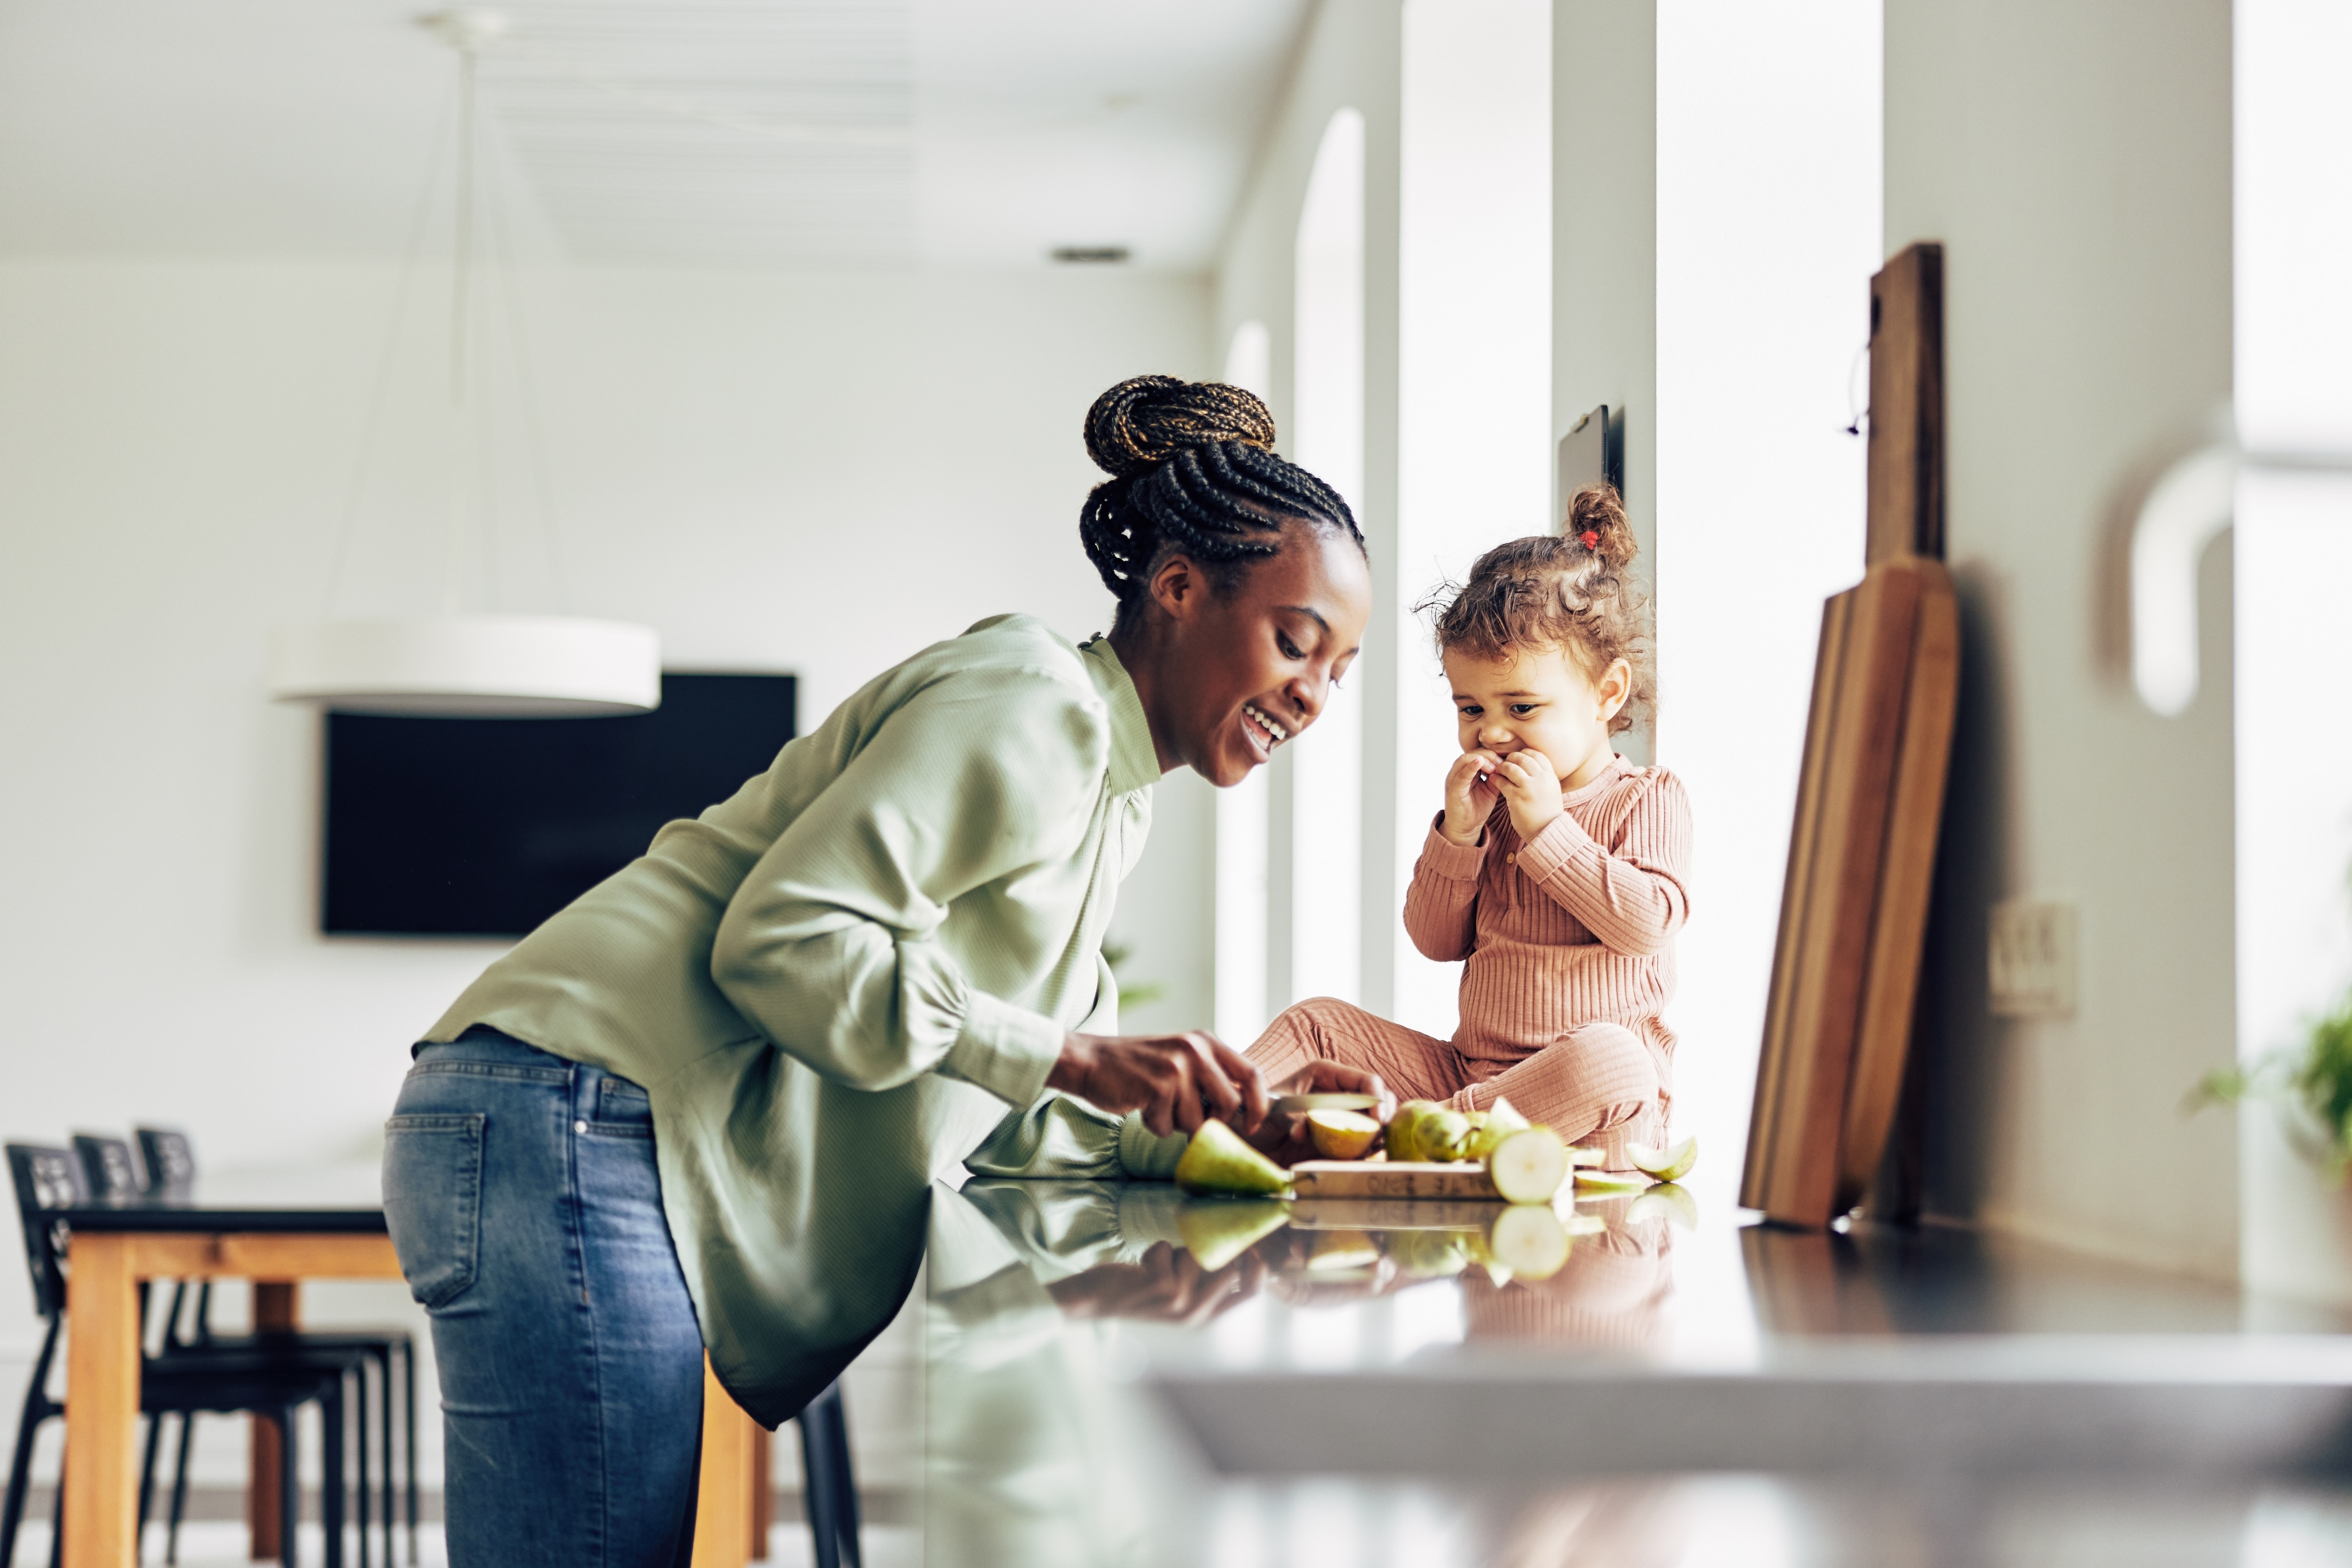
pixel 1854 913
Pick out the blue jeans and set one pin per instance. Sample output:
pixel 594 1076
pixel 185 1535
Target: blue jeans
pixel 525 1208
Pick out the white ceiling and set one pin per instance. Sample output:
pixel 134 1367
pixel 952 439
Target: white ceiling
pixel 737 132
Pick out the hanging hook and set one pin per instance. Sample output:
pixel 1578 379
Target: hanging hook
pixel 1856 403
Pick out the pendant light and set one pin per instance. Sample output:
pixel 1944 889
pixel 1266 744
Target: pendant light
pixel 454 665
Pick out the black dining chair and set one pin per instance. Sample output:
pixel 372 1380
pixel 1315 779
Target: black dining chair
pixel 47 1179
pixel 168 1163
pixel 828 1480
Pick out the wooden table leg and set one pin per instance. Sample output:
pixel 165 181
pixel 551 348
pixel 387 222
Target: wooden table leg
pixel 275 1311
pixel 763 1490
pixel 101 1406
pixel 722 1509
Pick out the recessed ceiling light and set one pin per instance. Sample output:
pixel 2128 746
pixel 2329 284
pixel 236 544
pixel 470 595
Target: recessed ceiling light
pixel 1099 253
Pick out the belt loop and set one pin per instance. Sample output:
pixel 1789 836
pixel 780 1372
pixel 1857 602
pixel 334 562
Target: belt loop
pixel 584 1092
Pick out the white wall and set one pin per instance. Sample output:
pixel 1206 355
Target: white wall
pixel 816 473
pixel 2075 160
pixel 1473 450
pixel 1768 232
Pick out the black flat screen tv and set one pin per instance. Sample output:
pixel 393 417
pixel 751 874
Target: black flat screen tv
pixel 485 827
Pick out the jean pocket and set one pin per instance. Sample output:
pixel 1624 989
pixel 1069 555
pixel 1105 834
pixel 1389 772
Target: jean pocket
pixel 433 1201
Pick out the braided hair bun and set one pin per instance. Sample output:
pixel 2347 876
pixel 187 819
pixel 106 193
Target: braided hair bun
pixel 1147 420
pixel 1193 472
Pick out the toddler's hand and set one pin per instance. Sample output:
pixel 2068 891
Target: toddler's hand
pixel 1469 796
pixel 1531 789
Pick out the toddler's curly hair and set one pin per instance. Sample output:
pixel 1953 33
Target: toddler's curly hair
pixel 1573 591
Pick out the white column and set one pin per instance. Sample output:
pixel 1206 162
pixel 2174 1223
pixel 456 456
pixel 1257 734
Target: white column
pixel 1474 350
pixel 2294 557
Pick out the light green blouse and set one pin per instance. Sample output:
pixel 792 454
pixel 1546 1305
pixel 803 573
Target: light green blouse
pixel 854 975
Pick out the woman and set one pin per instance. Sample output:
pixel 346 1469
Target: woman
pixel 702 1105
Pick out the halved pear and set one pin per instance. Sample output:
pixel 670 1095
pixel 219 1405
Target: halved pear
pixel 1342 1135
pixel 1529 1240
pixel 1670 1164
pixel 1527 1166
pixel 1602 1182
pixel 1217 1161
pixel 1215 1233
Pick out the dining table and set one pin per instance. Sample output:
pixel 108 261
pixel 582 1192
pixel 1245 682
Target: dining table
pixel 276 1228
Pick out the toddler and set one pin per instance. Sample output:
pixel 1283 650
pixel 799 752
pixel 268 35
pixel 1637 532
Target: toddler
pixel 1556 868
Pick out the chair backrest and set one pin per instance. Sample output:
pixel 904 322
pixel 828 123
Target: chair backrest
pixel 169 1159
pixel 107 1166
pixel 46 1179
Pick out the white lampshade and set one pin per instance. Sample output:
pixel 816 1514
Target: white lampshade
pixel 480 667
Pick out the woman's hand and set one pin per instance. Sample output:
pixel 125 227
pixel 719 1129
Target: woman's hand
pixel 1469 796
pixel 1166 1286
pixel 1531 789
pixel 1177 1080
pixel 1286 1140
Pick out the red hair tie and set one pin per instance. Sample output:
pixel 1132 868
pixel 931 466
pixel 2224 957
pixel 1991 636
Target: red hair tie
pixel 1589 538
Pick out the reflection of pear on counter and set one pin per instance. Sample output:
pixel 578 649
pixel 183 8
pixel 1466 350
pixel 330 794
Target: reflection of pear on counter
pixel 1329 1252
pixel 1669 1201
pixel 1218 1230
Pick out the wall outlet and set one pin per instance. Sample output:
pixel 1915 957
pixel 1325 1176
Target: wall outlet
pixel 2032 959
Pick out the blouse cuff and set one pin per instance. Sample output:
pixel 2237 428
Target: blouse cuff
pixel 1562 840
pixel 1005 1050
pixel 1145 1155
pixel 1456 863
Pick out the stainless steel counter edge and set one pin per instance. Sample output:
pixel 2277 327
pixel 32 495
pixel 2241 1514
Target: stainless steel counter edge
pixel 2217 1404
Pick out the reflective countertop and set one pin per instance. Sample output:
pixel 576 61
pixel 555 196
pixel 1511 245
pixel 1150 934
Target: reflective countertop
pixel 1118 1374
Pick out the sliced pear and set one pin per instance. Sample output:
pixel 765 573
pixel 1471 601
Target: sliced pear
pixel 1586 1155
pixel 1529 1240
pixel 1217 1161
pixel 1342 1135
pixel 1602 1183
pixel 1670 1164
pixel 1527 1166
pixel 1494 1123
pixel 1674 1202
pixel 1578 1222
pixel 1215 1233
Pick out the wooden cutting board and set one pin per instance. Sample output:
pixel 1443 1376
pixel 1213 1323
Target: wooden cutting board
pixel 1391 1178
pixel 1870 799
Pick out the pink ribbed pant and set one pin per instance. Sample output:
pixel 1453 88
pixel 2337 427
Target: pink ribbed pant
pixel 1598 1084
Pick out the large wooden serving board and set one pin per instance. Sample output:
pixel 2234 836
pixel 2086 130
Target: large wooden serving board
pixel 1870 798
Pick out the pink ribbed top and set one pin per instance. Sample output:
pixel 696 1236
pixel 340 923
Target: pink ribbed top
pixel 1573 928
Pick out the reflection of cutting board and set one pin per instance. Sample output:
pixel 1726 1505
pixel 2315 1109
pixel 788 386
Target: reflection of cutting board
pixel 1869 799
pixel 1393 1214
pixel 1391 1178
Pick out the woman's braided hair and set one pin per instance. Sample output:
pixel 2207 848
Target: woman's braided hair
pixel 1574 590
pixel 1193 472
